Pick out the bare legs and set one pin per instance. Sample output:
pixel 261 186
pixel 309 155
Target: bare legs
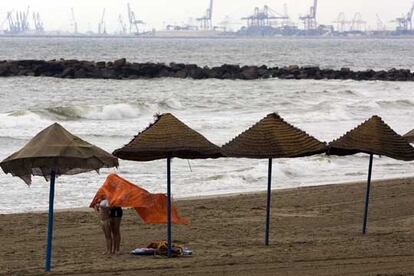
pixel 106 227
pixel 116 234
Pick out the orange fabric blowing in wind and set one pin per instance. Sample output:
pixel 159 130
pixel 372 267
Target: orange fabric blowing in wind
pixel 152 208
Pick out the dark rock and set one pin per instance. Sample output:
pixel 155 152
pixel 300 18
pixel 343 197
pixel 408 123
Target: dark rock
pixel 175 67
pixel 108 73
pixel 249 72
pixel 180 74
pixel 101 64
pixel 197 73
pixel 215 73
pixel 147 70
pixel 13 68
pixel 119 62
pixel 293 68
pixel 80 74
pixel 4 70
pixel 67 73
pixel 164 73
pixel 309 71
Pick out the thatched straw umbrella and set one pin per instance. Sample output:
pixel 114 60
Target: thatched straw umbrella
pixel 372 137
pixel 53 152
pixel 167 138
pixel 270 138
pixel 409 136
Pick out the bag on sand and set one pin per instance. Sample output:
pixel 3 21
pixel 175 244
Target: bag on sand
pixel 161 248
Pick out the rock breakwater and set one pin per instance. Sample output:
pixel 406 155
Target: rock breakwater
pixel 121 69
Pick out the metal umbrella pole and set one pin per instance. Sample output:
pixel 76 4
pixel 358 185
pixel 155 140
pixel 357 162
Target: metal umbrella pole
pixel 50 222
pixel 364 227
pixel 269 193
pixel 169 205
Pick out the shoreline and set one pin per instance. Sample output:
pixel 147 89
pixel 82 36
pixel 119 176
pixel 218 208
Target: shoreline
pixel 314 231
pixel 234 194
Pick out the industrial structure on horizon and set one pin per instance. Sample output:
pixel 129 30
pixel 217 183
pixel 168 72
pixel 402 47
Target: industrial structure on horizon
pixel 264 21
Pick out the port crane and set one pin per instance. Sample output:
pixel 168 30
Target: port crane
pixel 263 17
pixel 122 25
pixel 101 25
pixel 2 24
pixel 405 23
pixel 309 21
pixel 380 24
pixel 74 24
pixel 133 21
pixel 38 24
pixel 19 22
pixel 358 24
pixel 341 23
pixel 206 21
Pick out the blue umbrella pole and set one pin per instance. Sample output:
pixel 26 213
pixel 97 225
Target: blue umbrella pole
pixel 364 227
pixel 269 193
pixel 169 205
pixel 50 222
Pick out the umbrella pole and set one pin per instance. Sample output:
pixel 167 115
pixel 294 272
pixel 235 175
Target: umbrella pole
pixel 269 193
pixel 50 222
pixel 364 227
pixel 169 205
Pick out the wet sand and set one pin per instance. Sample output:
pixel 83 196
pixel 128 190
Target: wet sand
pixel 314 231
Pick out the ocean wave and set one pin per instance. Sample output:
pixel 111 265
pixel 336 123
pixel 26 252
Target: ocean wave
pixel 396 103
pixel 20 119
pixel 113 112
pixel 63 112
pixel 117 111
pixel 348 92
pixel 170 103
pixel 106 112
pixel 11 138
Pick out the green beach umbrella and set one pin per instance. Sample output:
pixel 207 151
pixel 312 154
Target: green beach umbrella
pixel 53 152
pixel 372 137
pixel 167 138
pixel 270 138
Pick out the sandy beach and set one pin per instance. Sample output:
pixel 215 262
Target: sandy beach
pixel 314 231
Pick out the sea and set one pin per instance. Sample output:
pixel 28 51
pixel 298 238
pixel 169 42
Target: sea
pixel 109 113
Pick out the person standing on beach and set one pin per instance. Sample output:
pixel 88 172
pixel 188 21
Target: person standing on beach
pixel 115 221
pixel 104 212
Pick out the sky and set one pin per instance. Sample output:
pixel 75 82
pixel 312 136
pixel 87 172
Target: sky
pixel 56 15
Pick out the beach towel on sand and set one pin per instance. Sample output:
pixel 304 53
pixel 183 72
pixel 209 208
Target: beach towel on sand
pixel 152 208
pixel 161 248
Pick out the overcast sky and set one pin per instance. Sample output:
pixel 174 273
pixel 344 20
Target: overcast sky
pixel 156 13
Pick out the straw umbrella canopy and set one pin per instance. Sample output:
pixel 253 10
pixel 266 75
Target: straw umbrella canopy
pixel 270 138
pixel 409 136
pixel 373 136
pixel 167 138
pixel 53 152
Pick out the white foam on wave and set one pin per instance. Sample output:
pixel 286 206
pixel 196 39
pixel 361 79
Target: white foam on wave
pixel 170 103
pixel 21 124
pixel 113 112
pixel 93 112
pixel 116 111
pixel 397 104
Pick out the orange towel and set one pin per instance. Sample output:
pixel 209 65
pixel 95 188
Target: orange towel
pixel 152 208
